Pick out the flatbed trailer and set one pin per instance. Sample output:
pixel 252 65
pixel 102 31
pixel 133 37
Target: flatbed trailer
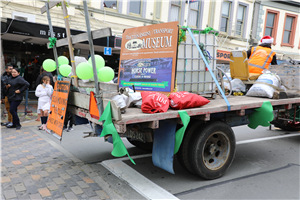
pixel 208 146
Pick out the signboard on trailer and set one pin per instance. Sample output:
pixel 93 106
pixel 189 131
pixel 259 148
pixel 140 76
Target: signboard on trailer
pixel 148 57
pixel 58 107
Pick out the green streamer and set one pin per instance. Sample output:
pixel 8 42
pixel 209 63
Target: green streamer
pixel 185 118
pixel 119 149
pixel 52 42
pixel 209 29
pixel 261 116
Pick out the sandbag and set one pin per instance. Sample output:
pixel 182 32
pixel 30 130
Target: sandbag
pixel 238 85
pixel 183 100
pixel 262 87
pixel 154 102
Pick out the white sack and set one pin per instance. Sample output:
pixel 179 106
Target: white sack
pixel 262 90
pixel 238 85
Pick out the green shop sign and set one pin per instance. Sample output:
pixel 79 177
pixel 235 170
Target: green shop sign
pixel 163 84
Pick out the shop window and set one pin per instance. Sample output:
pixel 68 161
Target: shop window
pixel 289 30
pixel 157 9
pixel 194 14
pixel 135 7
pixel 175 11
pixel 240 20
pixel 110 4
pixel 271 24
pixel 225 19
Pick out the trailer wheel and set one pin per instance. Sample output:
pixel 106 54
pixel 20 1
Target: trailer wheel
pixel 141 145
pixel 185 148
pixel 213 150
pixel 287 126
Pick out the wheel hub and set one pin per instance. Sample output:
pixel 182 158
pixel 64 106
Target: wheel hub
pixel 216 150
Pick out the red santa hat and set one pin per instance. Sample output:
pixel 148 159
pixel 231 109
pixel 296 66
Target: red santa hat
pixel 267 39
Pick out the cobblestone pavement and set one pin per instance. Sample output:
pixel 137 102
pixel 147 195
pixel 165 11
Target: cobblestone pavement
pixel 32 168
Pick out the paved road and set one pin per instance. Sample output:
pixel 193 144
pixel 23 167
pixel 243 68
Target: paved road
pixel 263 169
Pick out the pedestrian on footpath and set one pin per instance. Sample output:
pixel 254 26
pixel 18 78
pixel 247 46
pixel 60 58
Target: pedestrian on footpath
pixel 38 81
pixel 4 99
pixel 44 92
pixel 14 89
pixel 42 74
pixel 2 86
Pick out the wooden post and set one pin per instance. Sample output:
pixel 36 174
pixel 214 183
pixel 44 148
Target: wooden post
pixel 66 18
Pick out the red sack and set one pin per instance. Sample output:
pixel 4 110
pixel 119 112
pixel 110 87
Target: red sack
pixel 154 102
pixel 182 100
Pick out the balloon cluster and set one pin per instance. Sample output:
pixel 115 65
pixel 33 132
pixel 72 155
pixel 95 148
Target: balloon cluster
pixel 83 70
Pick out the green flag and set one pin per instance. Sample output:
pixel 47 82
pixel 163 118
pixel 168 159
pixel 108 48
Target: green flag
pixel 261 116
pixel 185 118
pixel 119 149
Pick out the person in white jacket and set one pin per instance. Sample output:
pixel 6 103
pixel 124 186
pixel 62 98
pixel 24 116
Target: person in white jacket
pixel 44 92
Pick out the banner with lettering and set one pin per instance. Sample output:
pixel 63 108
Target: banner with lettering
pixel 58 107
pixel 223 55
pixel 148 57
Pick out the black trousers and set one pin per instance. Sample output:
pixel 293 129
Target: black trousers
pixel 14 112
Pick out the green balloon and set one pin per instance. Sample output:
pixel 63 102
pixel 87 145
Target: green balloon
pixel 65 70
pixel 98 60
pixel 49 65
pixel 63 60
pixel 106 74
pixel 84 70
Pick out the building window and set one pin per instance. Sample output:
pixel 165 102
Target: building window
pixel 175 11
pixel 135 7
pixel 194 14
pixel 271 24
pixel 289 30
pixel 157 9
pixel 110 4
pixel 226 8
pixel 240 20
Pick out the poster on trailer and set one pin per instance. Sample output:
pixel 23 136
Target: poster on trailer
pixel 148 57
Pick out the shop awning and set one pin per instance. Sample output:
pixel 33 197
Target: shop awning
pixel 23 31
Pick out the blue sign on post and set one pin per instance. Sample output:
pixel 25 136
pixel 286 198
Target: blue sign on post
pixel 107 51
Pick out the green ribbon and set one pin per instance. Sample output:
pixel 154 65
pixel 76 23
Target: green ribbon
pixel 261 116
pixel 163 84
pixel 209 29
pixel 185 118
pixel 119 149
pixel 52 42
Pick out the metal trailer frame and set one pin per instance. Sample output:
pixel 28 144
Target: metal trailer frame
pixel 233 112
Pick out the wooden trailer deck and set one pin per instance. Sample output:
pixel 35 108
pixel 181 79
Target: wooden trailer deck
pixel 78 104
pixel 238 103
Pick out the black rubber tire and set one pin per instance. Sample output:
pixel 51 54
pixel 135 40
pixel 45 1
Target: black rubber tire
pixel 148 146
pixel 285 126
pixel 185 148
pixel 224 138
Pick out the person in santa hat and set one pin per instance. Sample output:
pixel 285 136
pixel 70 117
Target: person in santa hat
pixel 261 56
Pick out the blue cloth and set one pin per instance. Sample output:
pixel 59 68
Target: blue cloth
pixel 14 112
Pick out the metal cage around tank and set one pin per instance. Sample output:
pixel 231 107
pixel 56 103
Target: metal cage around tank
pixel 192 73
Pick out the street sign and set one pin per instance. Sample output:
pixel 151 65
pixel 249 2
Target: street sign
pixel 107 51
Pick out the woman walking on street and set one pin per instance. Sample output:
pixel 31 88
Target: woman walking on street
pixel 43 92
pixel 15 87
